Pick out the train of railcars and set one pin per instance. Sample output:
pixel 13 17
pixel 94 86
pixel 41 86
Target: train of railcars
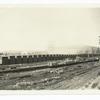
pixel 24 63
pixel 49 64
pixel 25 59
pixel 73 61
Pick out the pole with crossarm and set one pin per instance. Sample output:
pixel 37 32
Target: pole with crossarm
pixel 99 45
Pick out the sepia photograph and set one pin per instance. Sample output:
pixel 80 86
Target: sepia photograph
pixel 49 47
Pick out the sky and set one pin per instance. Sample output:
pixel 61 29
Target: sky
pixel 37 28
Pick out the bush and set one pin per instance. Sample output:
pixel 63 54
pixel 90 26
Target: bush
pixel 99 87
pixel 94 85
pixel 98 74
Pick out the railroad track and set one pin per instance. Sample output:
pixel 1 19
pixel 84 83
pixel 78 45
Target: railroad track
pixel 69 73
pixel 42 67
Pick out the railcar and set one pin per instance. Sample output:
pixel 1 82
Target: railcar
pixel 5 60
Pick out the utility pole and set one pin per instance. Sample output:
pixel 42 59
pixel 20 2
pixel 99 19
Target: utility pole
pixel 99 47
pixel 99 44
pixel 99 40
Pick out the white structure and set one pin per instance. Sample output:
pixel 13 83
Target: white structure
pixel 72 50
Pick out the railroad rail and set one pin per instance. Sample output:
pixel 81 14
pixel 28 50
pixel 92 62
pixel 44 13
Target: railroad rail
pixel 48 65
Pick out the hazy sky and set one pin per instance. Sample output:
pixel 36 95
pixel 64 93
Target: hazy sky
pixel 35 28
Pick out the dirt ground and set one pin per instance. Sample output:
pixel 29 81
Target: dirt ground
pixel 80 76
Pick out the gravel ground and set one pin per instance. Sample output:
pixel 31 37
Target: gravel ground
pixel 78 76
